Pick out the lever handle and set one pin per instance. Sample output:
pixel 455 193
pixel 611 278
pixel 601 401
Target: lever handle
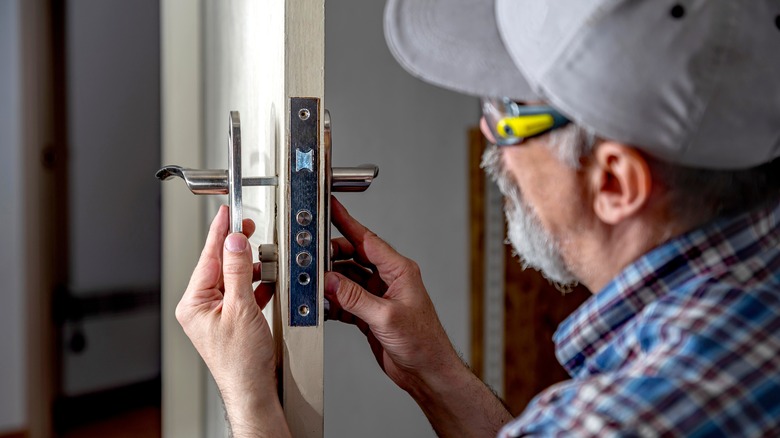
pixel 353 179
pixel 210 181
pixel 215 181
pixel 234 173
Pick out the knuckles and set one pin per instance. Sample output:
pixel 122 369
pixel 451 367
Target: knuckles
pixel 349 294
pixel 410 267
pixel 182 315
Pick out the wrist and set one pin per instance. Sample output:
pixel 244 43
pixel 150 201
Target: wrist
pixel 448 377
pixel 458 403
pixel 255 415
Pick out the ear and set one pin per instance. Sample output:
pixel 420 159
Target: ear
pixel 621 182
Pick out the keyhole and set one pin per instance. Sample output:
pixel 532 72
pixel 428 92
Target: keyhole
pixel 678 11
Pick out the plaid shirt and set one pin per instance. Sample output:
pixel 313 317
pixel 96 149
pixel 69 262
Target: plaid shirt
pixel 684 342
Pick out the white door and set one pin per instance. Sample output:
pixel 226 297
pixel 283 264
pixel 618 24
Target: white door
pixel 256 58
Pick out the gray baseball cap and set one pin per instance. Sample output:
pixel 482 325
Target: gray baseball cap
pixel 693 82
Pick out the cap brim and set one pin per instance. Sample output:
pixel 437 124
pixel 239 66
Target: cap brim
pixel 454 44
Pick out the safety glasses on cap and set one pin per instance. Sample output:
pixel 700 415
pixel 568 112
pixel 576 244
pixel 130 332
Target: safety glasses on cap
pixel 511 122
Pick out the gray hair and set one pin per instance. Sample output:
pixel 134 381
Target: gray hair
pixel 694 195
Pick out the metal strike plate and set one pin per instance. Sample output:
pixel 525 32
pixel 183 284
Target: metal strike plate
pixel 304 210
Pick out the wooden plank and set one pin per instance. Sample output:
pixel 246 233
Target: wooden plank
pixel 477 250
pixel 534 308
pixel 183 227
pixel 44 165
pixel 302 348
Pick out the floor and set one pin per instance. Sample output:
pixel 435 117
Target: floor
pixel 143 423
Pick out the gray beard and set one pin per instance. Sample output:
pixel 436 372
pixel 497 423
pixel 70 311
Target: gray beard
pixel 534 246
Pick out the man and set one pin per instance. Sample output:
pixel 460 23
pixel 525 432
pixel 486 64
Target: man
pixel 638 156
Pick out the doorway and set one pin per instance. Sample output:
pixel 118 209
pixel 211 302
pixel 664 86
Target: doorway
pixel 106 305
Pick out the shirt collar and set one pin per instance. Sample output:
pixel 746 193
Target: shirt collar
pixel 697 253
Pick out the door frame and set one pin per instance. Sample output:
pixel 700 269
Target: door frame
pixel 183 227
pixel 43 165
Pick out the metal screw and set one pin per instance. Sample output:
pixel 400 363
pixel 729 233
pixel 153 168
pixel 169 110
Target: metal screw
pixel 303 238
pixel 303 310
pixel 304 114
pixel 303 217
pixel 303 259
pixel 304 279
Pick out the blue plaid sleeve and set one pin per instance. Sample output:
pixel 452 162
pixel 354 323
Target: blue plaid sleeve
pixel 697 363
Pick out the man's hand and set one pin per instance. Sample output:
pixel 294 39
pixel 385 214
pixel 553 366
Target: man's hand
pixel 222 316
pixel 382 293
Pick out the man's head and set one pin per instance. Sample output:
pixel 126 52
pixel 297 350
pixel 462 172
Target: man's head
pixel 576 204
pixel 675 111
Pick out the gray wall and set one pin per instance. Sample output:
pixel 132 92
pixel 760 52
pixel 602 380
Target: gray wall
pixel 416 133
pixel 12 370
pixel 113 77
pixel 114 119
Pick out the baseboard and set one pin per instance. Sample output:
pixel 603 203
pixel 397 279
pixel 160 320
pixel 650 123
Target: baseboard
pixel 14 434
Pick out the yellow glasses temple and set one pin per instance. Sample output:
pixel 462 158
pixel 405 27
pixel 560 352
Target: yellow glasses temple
pixel 524 126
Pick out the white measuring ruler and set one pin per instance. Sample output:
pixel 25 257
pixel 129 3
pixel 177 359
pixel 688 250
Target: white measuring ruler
pixel 493 319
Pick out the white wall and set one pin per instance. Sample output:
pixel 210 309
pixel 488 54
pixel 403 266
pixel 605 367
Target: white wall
pixel 12 374
pixel 416 133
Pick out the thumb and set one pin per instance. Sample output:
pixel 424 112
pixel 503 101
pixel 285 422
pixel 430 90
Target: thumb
pixel 352 298
pixel 237 270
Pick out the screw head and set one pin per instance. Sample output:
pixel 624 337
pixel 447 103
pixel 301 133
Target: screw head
pixel 303 238
pixel 303 310
pixel 304 114
pixel 303 259
pixel 303 217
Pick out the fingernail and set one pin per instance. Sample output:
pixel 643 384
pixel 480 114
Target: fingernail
pixel 331 283
pixel 235 242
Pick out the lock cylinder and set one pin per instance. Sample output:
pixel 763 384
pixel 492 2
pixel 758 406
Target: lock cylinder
pixel 269 265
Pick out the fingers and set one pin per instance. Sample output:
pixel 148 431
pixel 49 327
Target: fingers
pixel 208 276
pixel 390 264
pixel 362 276
pixel 207 273
pixel 237 271
pixel 341 249
pixel 353 271
pixel 352 298
pixel 263 294
pixel 256 272
pixel 248 227
pixel 336 313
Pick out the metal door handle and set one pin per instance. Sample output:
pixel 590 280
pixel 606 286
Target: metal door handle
pixel 210 182
pixel 215 181
pixel 231 182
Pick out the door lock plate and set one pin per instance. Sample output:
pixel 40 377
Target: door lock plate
pixel 304 210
